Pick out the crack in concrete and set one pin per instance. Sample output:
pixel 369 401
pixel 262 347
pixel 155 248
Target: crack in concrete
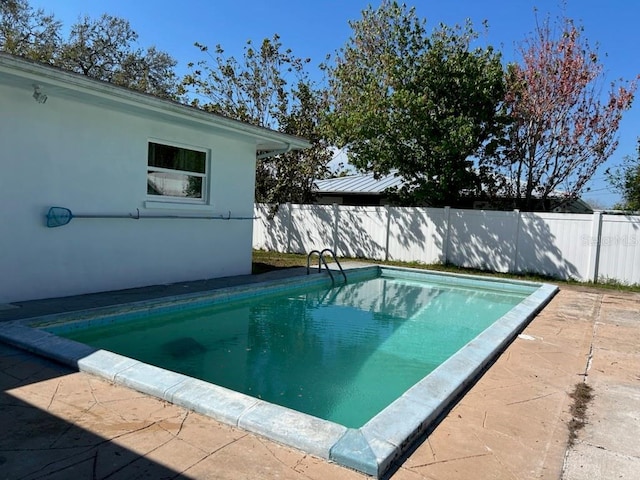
pixel 142 455
pixel 62 434
pixel 449 460
pixel 433 451
pixel 594 334
pixel 186 415
pixel 93 393
pixel 595 317
pixel 532 399
pixel 611 452
pixel 94 469
pixel 298 463
pixel 35 376
pixel 413 472
pixel 505 467
pixel 71 424
pixel 504 387
pixel 18 404
pixel 46 449
pixel 107 405
pixel 5 372
pixel 599 447
pixel 210 455
pixel 278 460
pixel 161 422
pixel 50 464
pixel 55 392
pixel 176 435
pixel 124 434
pixel 86 450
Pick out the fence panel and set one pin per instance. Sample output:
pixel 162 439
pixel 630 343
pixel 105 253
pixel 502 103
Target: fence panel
pixel 362 232
pixel 552 244
pixel 417 234
pixel 270 234
pixel 619 248
pixel 566 246
pixel 482 239
pixel 312 228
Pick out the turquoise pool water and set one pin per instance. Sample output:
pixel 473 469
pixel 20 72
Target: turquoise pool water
pixel 342 354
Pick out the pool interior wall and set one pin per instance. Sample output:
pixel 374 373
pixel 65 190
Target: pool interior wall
pixel 370 449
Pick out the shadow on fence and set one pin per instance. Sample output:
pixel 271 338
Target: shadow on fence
pixel 361 232
pixel 413 226
pixel 557 245
pixel 538 251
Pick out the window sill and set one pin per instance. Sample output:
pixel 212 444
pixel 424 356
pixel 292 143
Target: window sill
pixel 193 207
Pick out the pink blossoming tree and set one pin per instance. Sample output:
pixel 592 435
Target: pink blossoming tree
pixel 561 125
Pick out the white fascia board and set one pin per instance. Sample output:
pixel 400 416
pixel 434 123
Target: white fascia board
pixel 48 76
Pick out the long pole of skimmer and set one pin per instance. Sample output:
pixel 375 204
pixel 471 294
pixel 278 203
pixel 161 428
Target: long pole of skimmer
pixel 59 216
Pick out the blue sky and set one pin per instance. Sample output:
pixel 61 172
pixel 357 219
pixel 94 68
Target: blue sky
pixel 316 28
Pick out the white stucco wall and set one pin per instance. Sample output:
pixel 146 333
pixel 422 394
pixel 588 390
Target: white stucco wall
pixel 93 159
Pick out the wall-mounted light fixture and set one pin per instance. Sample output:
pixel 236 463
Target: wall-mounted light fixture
pixel 38 95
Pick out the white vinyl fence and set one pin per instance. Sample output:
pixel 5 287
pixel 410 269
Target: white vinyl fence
pixel 583 247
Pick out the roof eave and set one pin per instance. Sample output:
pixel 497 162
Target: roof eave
pixel 266 139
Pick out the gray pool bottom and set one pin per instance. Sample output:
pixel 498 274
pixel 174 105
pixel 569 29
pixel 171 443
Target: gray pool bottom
pixel 369 449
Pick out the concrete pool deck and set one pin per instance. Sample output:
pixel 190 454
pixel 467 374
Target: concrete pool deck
pixel 511 424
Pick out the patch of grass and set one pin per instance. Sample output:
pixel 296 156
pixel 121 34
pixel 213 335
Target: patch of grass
pixel 581 395
pixel 267 261
pixel 447 267
pixel 613 284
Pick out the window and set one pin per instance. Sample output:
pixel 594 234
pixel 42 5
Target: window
pixel 177 173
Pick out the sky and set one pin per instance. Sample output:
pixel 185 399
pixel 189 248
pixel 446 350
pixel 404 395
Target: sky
pixel 315 28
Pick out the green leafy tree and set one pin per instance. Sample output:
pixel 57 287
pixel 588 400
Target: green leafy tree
pixel 560 127
pixel 626 181
pixel 106 49
pixel 27 32
pixel 422 105
pixel 268 87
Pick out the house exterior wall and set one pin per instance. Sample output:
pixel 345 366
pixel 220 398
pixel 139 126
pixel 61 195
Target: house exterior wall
pixel 92 159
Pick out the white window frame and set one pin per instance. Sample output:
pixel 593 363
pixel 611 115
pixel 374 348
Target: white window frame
pixel 157 200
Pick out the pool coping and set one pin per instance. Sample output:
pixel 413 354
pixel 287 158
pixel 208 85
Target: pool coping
pixel 370 449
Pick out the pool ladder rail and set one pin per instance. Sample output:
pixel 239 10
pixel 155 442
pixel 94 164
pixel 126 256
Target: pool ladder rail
pixel 321 260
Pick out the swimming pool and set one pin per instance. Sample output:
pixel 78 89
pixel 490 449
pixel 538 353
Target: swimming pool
pixel 381 311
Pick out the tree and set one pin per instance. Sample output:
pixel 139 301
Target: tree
pixel 256 90
pixel 626 181
pixel 418 104
pixel 27 32
pixel 560 131
pixel 105 49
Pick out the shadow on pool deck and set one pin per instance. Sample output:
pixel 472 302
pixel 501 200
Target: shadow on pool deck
pixel 35 308
pixel 48 427
pixel 511 424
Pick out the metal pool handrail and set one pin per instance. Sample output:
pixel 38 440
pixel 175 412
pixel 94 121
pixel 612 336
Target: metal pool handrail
pixel 322 260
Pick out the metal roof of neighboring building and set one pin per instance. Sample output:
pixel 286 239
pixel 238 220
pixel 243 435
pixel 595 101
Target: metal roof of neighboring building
pixel 366 184
pixel 362 183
